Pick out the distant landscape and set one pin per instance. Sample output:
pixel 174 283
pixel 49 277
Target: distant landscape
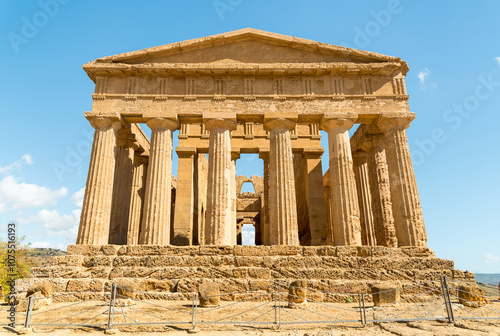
pixel 488 278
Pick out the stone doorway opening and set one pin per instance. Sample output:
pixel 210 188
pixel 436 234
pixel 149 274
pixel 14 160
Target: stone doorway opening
pixel 249 199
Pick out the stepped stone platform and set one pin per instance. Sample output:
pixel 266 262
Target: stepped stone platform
pixel 170 269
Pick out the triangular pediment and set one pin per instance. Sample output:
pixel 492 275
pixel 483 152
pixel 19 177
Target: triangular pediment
pixel 247 46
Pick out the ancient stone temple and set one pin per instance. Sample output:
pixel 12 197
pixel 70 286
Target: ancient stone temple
pixel 242 92
pixel 251 91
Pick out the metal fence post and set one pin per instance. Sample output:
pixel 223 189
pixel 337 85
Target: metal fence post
pixel 195 310
pixel 29 309
pixel 447 299
pixel 362 311
pixel 111 309
pixel 279 306
pixel 275 305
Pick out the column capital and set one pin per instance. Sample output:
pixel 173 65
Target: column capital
pixel 185 152
pixel 105 122
pixel 235 154
pixel 264 153
pixel 344 121
pixel 219 120
pixel 359 157
pixel 279 123
pixel 388 122
pixel 313 152
pixel 158 123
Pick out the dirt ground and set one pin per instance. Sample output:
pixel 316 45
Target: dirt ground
pixel 315 319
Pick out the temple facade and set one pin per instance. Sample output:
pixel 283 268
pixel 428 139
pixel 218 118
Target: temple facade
pixel 250 91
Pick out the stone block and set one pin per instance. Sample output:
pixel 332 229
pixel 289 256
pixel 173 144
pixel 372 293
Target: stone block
pixel 208 260
pixel 364 251
pixel 110 250
pixel 209 294
pixel 385 294
pixel 67 260
pixel 297 294
pixel 152 285
pixel 143 250
pixel 259 273
pixel 284 250
pixel 248 261
pixel 248 250
pixel 184 250
pixel 240 272
pixel 471 295
pixel 346 251
pixel 126 288
pixel 176 273
pixel 84 250
pixel 44 288
pixel 100 272
pixel 81 285
pixel 263 285
pixel 416 251
pixel 327 251
pixel 215 250
pixel 70 272
pixel 106 261
pixel 310 251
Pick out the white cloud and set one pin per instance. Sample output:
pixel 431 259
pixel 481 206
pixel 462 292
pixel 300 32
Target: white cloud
pixel 77 197
pixel 490 258
pixel 423 77
pixel 23 195
pixel 3 207
pixel 56 224
pixel 26 159
pixel 498 60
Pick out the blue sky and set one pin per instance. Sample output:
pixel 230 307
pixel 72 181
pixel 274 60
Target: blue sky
pixel 454 83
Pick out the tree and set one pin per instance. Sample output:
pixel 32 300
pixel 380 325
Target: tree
pixel 14 262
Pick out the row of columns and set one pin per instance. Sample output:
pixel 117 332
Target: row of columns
pixel 385 184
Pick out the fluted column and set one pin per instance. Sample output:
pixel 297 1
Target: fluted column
pixel 283 206
pixel 96 209
pixel 122 189
pixel 265 225
pixel 157 205
pixel 219 206
pixel 137 199
pixel 410 227
pixel 345 223
pixel 235 155
pixel 383 219
pixel 364 197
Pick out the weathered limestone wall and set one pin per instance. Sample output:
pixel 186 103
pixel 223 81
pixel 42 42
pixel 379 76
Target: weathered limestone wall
pixel 239 268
